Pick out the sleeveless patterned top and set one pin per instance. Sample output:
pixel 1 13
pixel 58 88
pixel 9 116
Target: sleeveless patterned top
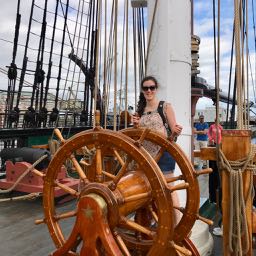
pixel 153 121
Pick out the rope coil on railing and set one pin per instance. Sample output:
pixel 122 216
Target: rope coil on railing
pixel 237 220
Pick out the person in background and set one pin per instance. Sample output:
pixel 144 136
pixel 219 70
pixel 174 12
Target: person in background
pixel 214 138
pixel 214 133
pixel 201 130
pixel 148 116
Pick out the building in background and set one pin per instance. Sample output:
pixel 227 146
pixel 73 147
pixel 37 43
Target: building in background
pixel 71 105
pixel 210 114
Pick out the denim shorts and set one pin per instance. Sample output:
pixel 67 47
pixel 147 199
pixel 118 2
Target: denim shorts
pixel 166 162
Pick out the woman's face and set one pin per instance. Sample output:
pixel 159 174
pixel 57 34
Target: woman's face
pixel 149 89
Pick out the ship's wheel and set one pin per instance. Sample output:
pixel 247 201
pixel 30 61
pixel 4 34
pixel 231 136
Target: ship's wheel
pixel 105 207
pixel 187 180
pixel 124 204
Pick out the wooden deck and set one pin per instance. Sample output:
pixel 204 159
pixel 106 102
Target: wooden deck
pixel 19 236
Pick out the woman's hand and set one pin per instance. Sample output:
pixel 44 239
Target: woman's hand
pixel 177 130
pixel 135 120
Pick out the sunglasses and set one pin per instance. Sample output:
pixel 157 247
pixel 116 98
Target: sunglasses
pixel 146 88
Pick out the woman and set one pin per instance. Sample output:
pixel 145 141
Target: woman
pixel 148 116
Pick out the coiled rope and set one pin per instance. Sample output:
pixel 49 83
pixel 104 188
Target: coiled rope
pixel 237 220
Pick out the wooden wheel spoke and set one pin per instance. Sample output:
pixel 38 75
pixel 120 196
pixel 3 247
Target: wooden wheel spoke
pixel 142 137
pixel 170 179
pixel 180 249
pixel 84 163
pixel 120 174
pixel 109 175
pixel 65 215
pixel 78 168
pixel 119 158
pixel 153 213
pixel 59 136
pixel 205 220
pixel 136 197
pixel 98 158
pixel 88 152
pixel 69 190
pixel 38 173
pixel 180 186
pixel 203 171
pixel 40 221
pixel 121 244
pixel 137 227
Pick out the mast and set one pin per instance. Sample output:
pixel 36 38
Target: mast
pixel 169 59
pixel 171 36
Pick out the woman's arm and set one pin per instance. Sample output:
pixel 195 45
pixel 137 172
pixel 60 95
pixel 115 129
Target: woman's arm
pixel 171 119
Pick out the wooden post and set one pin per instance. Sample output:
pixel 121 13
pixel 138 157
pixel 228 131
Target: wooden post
pixel 235 145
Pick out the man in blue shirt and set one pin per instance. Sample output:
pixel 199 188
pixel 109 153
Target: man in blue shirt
pixel 201 130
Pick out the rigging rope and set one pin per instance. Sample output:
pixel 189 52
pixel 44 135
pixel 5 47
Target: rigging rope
pixel 247 67
pixel 50 57
pixel 87 82
pixel 135 56
pixel 61 54
pixel 12 77
pixel 110 57
pixel 97 45
pixel 35 50
pixel 238 65
pixel 115 63
pixel 74 69
pixel 254 33
pixel 230 75
pixel 39 73
pixel 126 67
pixel 122 65
pixel 25 58
pixel 104 97
pixel 140 46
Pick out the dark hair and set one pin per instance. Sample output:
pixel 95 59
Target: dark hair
pixel 142 101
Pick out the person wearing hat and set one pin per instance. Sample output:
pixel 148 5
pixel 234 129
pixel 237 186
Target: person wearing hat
pixel 201 132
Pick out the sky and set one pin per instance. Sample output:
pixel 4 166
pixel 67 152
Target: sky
pixel 203 27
